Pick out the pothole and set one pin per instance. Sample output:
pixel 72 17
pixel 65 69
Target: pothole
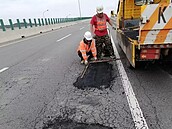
pixel 60 123
pixel 97 75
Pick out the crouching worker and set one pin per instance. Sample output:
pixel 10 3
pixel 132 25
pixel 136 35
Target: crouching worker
pixel 87 49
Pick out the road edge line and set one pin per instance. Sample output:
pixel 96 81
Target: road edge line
pixel 136 112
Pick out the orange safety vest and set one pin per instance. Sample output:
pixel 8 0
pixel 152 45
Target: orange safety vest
pixel 84 48
pixel 101 23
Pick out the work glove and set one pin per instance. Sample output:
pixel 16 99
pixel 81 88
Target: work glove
pixel 86 62
pixel 95 58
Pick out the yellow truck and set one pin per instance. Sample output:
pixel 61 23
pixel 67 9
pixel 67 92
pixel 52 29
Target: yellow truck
pixel 144 29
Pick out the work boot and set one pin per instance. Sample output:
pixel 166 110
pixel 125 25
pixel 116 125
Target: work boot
pixel 112 56
pixel 102 55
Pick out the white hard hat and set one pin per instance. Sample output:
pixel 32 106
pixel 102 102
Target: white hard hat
pixel 87 35
pixel 99 9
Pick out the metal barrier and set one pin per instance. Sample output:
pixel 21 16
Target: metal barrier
pixel 19 24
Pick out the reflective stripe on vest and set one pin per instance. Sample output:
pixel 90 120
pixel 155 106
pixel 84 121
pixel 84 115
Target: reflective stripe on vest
pixel 101 23
pixel 84 48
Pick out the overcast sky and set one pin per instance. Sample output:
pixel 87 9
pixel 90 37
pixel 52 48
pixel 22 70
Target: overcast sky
pixel 57 8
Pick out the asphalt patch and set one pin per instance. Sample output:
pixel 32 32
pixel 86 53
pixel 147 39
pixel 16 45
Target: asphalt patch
pixel 97 75
pixel 59 123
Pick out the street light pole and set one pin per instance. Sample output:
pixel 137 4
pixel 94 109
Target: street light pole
pixel 67 15
pixel 79 8
pixel 44 13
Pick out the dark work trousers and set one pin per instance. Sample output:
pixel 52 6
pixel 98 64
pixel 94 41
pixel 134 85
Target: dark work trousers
pixel 88 54
pixel 100 40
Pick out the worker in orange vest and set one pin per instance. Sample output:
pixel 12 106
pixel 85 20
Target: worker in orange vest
pixel 87 49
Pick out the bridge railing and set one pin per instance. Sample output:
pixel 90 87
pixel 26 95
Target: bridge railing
pixel 12 30
pixel 35 22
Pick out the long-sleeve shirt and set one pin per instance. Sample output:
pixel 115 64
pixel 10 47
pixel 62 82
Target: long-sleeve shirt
pixel 84 48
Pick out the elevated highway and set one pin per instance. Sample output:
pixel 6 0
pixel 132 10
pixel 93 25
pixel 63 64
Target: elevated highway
pixel 37 76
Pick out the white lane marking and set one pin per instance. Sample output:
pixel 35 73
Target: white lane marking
pixel 12 43
pixel 8 44
pixel 27 38
pixel 82 28
pixel 139 120
pixel 64 37
pixel 2 70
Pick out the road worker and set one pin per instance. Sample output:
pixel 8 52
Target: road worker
pixel 87 49
pixel 99 31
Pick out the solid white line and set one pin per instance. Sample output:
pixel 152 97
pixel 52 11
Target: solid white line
pixel 9 44
pixel 82 28
pixel 2 70
pixel 27 38
pixel 64 37
pixel 139 120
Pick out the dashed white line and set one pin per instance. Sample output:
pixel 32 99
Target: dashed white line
pixel 2 70
pixel 82 28
pixel 64 37
pixel 136 112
